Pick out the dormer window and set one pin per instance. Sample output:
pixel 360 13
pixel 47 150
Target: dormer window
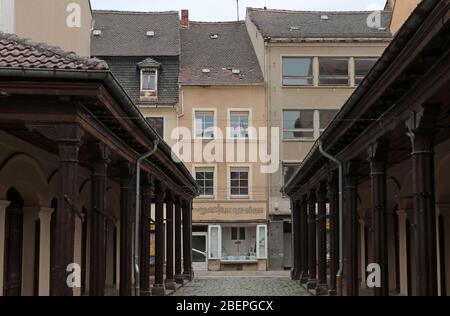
pixel 149 70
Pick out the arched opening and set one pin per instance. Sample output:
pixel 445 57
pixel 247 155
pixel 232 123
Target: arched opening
pixel 12 284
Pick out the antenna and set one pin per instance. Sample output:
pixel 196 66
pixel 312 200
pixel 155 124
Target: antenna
pixel 237 5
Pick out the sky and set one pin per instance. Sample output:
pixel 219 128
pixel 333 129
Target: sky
pixel 226 10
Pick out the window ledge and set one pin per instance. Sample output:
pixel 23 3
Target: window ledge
pixel 302 140
pixel 239 197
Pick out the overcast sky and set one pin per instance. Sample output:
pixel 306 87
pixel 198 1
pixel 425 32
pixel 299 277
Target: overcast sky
pixel 225 10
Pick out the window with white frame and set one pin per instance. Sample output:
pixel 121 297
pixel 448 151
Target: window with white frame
pixel 326 117
pixel 204 124
pixel 239 121
pixel 237 233
pixel 261 237
pixel 362 68
pixel 239 182
pixel 205 181
pixel 298 124
pixel 333 71
pixel 297 71
pixel 215 241
pixel 149 79
pixel 288 170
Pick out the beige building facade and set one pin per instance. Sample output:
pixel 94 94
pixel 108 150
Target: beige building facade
pixel 308 78
pixel 63 23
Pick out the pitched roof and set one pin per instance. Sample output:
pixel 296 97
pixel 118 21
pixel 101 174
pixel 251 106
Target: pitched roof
pixel 16 52
pixel 304 24
pixel 231 50
pixel 124 33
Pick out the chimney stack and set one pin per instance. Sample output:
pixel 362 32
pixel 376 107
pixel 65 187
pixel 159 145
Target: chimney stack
pixel 185 19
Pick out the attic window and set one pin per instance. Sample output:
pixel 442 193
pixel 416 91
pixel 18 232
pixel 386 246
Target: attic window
pixel 149 84
pixel 150 33
pixel 96 32
pixel 324 17
pixel 214 36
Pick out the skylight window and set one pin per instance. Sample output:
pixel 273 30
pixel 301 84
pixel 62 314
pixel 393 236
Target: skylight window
pixel 97 32
pixel 214 36
pixel 324 17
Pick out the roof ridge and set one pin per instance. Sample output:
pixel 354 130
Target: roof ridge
pixel 56 50
pixel 134 12
pixel 313 11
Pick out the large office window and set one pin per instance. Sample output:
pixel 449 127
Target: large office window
pixel 158 125
pixel 297 71
pixel 333 71
pixel 326 117
pixel 239 182
pixel 204 124
pixel 205 181
pixel 298 124
pixel 362 68
pixel 239 124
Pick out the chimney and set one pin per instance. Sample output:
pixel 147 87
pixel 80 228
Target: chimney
pixel 185 19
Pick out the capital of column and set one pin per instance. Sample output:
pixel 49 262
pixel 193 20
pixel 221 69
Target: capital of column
pixel 377 156
pixel 312 198
pixel 4 204
pixel 147 185
pixel 100 158
pixel 45 213
pixel 421 127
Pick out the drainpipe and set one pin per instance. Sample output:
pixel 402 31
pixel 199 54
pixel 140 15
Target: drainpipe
pixel 137 282
pixel 340 274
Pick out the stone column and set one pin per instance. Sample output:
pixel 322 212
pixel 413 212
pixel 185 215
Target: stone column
pixel 333 198
pixel 30 216
pixel 312 240
pixel 351 287
pixel 3 206
pixel 303 254
pixel 127 173
pixel 68 138
pixel 170 279
pixel 45 217
pixel 97 265
pixel 146 204
pixel 296 267
pixel 378 160
pixel 178 244
pixel 187 241
pixel 160 196
pixel 420 130
pixel 322 285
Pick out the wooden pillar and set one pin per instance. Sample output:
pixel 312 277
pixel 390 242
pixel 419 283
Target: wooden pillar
pixel 312 240
pixel 3 206
pixel 296 267
pixel 322 284
pixel 178 243
pixel 68 138
pixel 97 265
pixel 170 279
pixel 160 196
pixel 146 200
pixel 378 159
pixel 45 216
pixel 351 287
pixel 187 241
pixel 303 240
pixel 127 172
pixel 333 198
pixel 420 130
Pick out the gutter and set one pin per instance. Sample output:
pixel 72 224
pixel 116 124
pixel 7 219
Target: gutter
pixel 340 273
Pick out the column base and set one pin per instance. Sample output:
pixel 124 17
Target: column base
pixel 179 279
pixel 188 276
pixel 170 284
pixel 158 290
pixel 332 292
pixel 304 278
pixel 145 293
pixel 311 284
pixel 321 289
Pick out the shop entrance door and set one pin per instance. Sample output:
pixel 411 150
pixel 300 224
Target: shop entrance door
pixel 199 251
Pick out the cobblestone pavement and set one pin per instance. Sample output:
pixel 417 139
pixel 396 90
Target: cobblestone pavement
pixel 241 284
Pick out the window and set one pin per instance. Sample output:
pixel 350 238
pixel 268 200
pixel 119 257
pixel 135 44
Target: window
pixel 238 233
pixel 298 124
pixel 326 117
pixel 362 68
pixel 215 241
pixel 204 124
pixel 148 80
pixel 7 16
pixel 261 237
pixel 297 71
pixel 158 125
pixel 288 171
pixel 239 182
pixel 239 124
pixel 205 180
pixel 333 71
